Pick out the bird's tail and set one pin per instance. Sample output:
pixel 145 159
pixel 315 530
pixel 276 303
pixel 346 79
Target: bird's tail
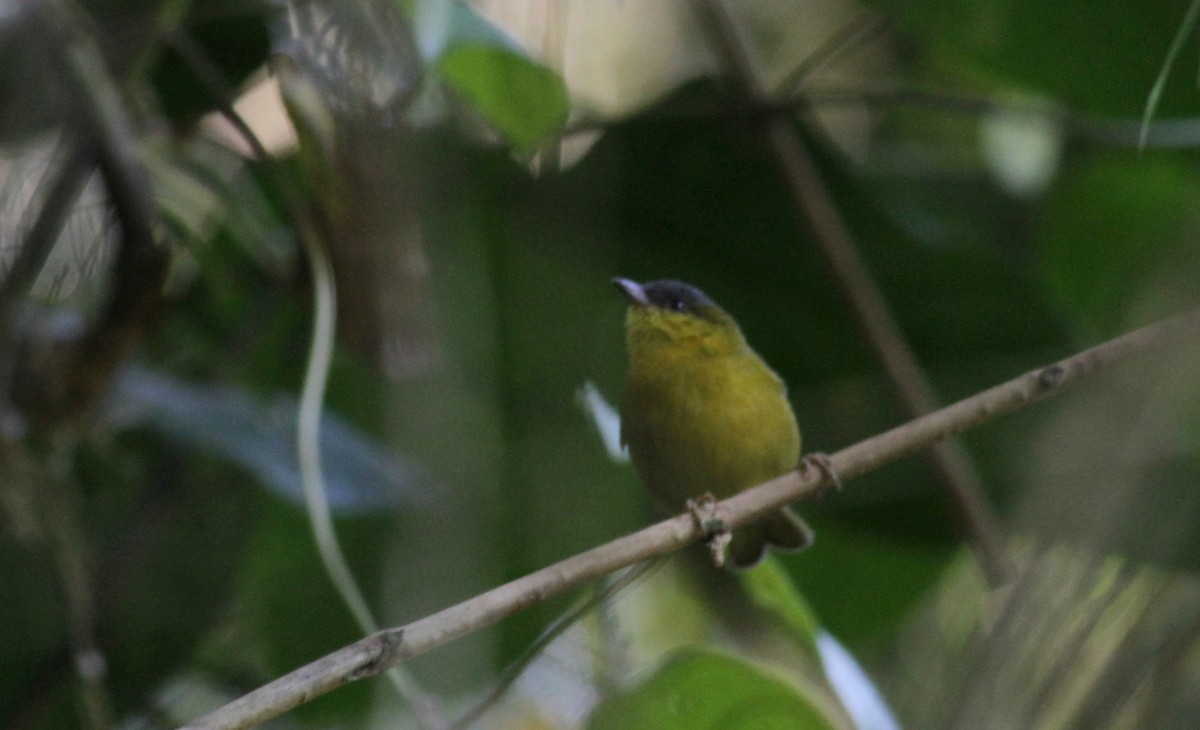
pixel 783 530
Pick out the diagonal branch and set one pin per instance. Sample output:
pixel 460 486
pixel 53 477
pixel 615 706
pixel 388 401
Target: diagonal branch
pixel 68 180
pixel 394 646
pixel 100 116
pixel 867 304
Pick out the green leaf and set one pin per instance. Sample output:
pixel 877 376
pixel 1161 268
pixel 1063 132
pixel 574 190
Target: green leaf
pixel 769 586
pixel 524 100
pixel 702 689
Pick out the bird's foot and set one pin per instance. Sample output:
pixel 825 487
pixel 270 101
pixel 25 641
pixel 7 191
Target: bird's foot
pixel 708 519
pixel 820 461
pixel 704 511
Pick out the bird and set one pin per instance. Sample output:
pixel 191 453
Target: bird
pixel 703 414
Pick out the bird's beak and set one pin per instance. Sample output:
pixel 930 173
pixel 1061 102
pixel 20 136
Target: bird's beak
pixel 633 291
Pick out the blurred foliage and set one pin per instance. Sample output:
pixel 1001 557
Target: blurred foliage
pixel 524 100
pixel 234 42
pixel 701 689
pixel 1095 60
pixel 475 302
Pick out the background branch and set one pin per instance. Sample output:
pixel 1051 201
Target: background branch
pixel 53 389
pixel 68 179
pixel 1124 132
pixel 948 459
pixel 140 264
pixel 394 646
pixel 39 241
pixel 61 509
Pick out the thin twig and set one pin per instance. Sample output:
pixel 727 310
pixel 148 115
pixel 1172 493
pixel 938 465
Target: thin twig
pixel 867 303
pixel 105 120
pixel 864 26
pixel 1168 134
pixel 140 263
pixel 1186 28
pixel 60 504
pixel 390 647
pixel 43 233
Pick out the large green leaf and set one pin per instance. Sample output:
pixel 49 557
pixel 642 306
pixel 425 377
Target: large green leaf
pixel 698 690
pixel 524 100
pixel 769 586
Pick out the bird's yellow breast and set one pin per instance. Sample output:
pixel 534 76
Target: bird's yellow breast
pixel 701 412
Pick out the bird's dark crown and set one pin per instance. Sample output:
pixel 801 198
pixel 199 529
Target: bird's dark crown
pixel 676 296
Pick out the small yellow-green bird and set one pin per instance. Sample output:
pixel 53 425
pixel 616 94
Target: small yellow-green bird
pixel 703 414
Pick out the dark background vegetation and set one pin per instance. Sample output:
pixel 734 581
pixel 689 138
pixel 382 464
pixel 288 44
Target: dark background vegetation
pixel 473 274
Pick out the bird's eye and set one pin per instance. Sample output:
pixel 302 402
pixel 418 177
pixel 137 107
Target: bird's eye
pixel 676 304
